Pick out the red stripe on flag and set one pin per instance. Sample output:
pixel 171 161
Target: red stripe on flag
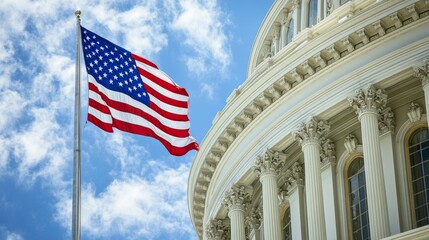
pixel 164 98
pixel 144 60
pixel 177 151
pixel 105 126
pixel 172 88
pixel 123 107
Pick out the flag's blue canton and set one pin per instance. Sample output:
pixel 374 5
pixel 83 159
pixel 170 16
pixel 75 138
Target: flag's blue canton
pixel 112 66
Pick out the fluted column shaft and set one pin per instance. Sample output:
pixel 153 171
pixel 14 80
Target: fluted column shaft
pixel 426 91
pixel 375 186
pixel 236 214
pixel 368 104
pixel 315 208
pixel 268 167
pixel 271 219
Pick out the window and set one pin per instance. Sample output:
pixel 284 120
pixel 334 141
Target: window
pixel 343 1
pixel 357 202
pixel 290 31
pixel 418 163
pixel 287 230
pixel 312 13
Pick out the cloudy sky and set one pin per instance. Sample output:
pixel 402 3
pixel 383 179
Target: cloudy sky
pixel 131 187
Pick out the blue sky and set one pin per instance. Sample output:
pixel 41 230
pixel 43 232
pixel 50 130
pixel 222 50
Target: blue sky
pixel 131 187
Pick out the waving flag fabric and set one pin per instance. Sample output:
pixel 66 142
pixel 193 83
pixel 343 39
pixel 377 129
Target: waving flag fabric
pixel 130 93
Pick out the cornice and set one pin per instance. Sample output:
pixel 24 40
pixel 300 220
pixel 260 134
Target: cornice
pixel 241 111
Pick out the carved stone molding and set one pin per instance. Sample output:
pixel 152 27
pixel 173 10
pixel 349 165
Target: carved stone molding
pixel 329 7
pixel 371 100
pixel 422 72
pixel 216 229
pixel 269 163
pixel 350 143
pixel 236 198
pixel 296 176
pixel 386 121
pixel 414 112
pixel 311 131
pixel 327 151
pixel 254 218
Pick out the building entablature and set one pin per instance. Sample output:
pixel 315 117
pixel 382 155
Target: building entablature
pixel 278 79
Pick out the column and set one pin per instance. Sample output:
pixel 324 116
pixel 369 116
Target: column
pixel 367 105
pixel 422 72
pixel 296 15
pixel 253 220
pixel 308 136
pixel 296 201
pixel 328 187
pixel 236 200
pixel 267 167
pixel 283 30
pixel 386 126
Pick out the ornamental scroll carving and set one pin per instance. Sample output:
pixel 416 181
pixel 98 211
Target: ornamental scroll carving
pixel 311 131
pixel 236 198
pixel 327 151
pixel 254 218
pixel 422 72
pixel 386 121
pixel 371 100
pixel 414 112
pixel 268 163
pixel 216 229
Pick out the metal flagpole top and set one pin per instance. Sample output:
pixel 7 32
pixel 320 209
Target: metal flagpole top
pixel 77 13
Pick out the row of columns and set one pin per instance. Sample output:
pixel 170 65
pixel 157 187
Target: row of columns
pixel 370 106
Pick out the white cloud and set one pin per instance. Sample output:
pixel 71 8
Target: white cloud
pixel 201 24
pixel 135 206
pixel 14 236
pixel 208 90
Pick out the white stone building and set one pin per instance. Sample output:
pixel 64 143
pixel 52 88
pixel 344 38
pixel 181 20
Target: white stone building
pixel 328 136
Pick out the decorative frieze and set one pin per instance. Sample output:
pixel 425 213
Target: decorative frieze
pixel 370 100
pixel 329 7
pixel 362 35
pixel 412 11
pixel 273 93
pixel 350 143
pixel 346 42
pixel 296 76
pixel 414 112
pixel 379 28
pixel 333 52
pixel 318 58
pixel 307 68
pixel 327 151
pixel 395 19
pixel 311 131
pixel 269 163
pixel 422 72
pixel 386 121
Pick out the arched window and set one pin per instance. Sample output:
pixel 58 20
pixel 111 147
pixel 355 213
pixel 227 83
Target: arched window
pixel 290 31
pixel 343 1
pixel 357 202
pixel 418 165
pixel 287 229
pixel 312 13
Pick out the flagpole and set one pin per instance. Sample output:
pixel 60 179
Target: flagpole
pixel 77 131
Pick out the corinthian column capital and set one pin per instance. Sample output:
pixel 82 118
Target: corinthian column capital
pixel 236 198
pixel 311 132
pixel 327 151
pixel 422 72
pixel 216 229
pixel 268 163
pixel 386 121
pixel 371 100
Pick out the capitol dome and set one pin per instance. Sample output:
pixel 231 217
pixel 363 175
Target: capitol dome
pixel 327 138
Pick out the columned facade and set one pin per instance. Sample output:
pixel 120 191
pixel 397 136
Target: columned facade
pixel 308 136
pixel 272 168
pixel 368 104
pixel 267 167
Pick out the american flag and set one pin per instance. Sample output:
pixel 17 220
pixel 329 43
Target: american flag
pixel 130 93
